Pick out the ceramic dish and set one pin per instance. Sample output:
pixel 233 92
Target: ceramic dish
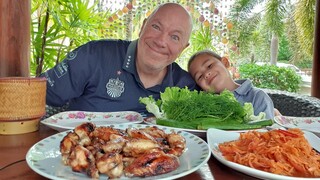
pixel 200 133
pixel 197 132
pixel 44 157
pixel 70 119
pixel 311 124
pixel 216 136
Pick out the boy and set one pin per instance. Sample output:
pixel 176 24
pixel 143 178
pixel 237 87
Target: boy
pixel 210 72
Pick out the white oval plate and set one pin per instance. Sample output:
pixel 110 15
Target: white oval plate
pixel 306 123
pixel 200 133
pixel 197 132
pixel 44 157
pixel 216 136
pixel 70 119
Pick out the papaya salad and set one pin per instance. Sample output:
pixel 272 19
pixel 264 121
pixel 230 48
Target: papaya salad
pixel 283 152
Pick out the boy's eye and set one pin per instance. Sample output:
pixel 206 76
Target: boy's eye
pixel 210 66
pixel 200 77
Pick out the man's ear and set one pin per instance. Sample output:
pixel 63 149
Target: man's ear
pixel 225 61
pixel 143 24
pixel 187 45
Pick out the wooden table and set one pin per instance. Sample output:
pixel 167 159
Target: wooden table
pixel 13 149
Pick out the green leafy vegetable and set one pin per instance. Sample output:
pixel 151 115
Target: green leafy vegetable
pixel 180 107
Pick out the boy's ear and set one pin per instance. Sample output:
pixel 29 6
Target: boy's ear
pixel 225 61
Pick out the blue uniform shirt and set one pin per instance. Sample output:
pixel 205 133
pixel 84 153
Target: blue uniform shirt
pixel 101 76
pixel 260 100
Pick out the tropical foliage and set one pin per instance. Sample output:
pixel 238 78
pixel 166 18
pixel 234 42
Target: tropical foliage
pixel 280 21
pixel 280 30
pixel 271 77
pixel 59 26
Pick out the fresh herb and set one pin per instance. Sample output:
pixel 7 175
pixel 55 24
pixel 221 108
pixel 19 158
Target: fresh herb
pixel 180 107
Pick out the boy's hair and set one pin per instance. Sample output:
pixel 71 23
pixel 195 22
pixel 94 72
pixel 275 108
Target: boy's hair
pixel 207 52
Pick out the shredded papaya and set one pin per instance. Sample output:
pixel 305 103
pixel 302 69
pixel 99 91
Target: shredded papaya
pixel 280 152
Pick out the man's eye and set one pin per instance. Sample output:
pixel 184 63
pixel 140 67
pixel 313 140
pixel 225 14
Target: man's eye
pixel 155 26
pixel 175 37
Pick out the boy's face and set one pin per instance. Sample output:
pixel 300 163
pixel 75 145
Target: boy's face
pixel 209 73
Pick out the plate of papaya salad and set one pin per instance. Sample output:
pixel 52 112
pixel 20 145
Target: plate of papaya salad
pixel 275 154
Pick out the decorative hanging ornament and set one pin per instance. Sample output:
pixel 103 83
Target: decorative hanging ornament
pixel 125 9
pixel 229 25
pixel 115 17
pixel 201 18
pixel 120 13
pixel 216 11
pixel 134 2
pixel 148 13
pixel 206 23
pixel 196 14
pixel 129 6
pixel 234 48
pixel 216 32
pixel 211 6
pixel 224 41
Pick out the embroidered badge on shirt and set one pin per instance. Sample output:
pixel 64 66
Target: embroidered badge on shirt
pixel 61 69
pixel 72 55
pixel 115 87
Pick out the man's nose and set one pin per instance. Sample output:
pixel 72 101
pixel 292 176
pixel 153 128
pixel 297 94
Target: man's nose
pixel 161 40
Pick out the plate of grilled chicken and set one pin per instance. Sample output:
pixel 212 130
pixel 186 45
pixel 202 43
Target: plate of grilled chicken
pixel 119 151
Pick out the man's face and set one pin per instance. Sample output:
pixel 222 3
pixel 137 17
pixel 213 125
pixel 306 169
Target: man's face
pixel 163 37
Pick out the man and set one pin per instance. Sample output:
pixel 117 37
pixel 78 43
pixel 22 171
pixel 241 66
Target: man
pixel 111 75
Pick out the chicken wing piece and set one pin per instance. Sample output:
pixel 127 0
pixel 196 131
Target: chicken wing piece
pixel 83 131
pixel 110 164
pixel 154 131
pixel 151 164
pixel 136 147
pixel 115 145
pixel 81 159
pixel 104 133
pixel 67 144
pixel 177 144
pixel 139 133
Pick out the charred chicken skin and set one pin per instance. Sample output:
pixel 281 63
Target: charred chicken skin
pixel 114 152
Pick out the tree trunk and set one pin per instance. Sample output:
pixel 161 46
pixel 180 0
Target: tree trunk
pixel 15 38
pixel 315 84
pixel 274 49
pixel 252 58
pixel 129 19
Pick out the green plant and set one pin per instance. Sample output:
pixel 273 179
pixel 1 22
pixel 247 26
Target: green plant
pixel 271 77
pixel 59 26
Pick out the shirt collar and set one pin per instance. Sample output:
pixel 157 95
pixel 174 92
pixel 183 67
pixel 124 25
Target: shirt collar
pixel 129 62
pixel 244 88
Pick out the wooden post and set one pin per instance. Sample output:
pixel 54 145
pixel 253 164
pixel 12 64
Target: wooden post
pixel 15 38
pixel 315 84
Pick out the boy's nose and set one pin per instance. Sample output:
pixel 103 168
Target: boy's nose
pixel 207 75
